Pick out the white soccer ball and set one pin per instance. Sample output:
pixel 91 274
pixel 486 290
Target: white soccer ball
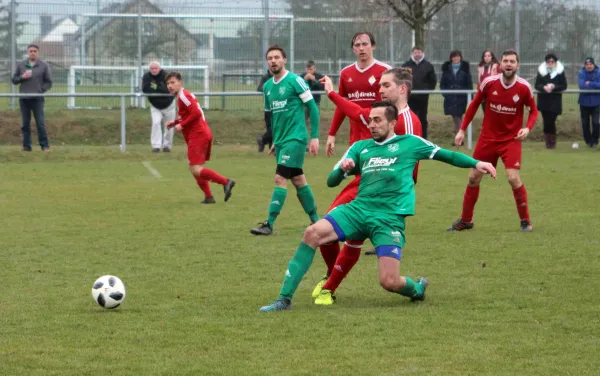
pixel 575 145
pixel 108 291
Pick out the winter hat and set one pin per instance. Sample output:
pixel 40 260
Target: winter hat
pixel 589 60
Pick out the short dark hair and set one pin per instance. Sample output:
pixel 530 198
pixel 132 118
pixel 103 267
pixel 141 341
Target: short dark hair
pixel 455 53
pixel 402 76
pixel 367 33
pixel 170 75
pixel 276 47
pixel 391 111
pixel 34 46
pixel 310 64
pixel 551 56
pixel 510 52
pixel 417 48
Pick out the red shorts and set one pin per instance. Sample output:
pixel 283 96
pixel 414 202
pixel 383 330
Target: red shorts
pixel 509 151
pixel 347 194
pixel 199 150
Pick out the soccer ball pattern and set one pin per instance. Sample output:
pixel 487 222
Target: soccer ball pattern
pixel 108 291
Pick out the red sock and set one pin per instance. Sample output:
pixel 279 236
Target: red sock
pixel 521 201
pixel 344 263
pixel 469 201
pixel 203 184
pixel 210 175
pixel 330 253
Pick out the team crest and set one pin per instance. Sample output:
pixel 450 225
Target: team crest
pixel 372 80
pixel 393 148
pixel 281 90
pixel 516 98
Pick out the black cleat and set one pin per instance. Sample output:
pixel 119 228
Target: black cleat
pixel 208 200
pixel 370 252
pixel 227 189
pixel 460 225
pixel 263 229
pixel 526 226
pixel 260 143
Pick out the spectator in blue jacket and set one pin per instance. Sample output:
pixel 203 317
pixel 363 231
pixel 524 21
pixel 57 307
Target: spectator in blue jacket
pixel 456 75
pixel 589 103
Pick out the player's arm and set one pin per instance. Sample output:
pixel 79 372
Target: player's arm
pixel 533 113
pixel 350 109
pixel 305 95
pixel 338 114
pixel 347 165
pixel 472 110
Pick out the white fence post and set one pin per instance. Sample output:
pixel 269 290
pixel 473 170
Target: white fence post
pixel 123 126
pixel 470 128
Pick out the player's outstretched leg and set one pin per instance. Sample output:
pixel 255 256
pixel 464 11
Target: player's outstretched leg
pixel 277 201
pixel 520 195
pixel 389 274
pixel 307 200
pixel 345 261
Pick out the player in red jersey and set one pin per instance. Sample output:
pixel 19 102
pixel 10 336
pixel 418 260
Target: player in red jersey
pixel 395 85
pixel 502 133
pixel 359 83
pixel 198 137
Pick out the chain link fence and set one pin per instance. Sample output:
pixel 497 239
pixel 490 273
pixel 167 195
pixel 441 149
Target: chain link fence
pixel 229 38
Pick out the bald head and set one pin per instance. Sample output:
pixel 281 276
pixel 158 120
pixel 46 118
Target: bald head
pixel 154 67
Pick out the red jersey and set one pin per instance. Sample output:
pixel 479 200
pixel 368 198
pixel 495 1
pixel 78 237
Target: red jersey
pixel 408 121
pixel 504 108
pixel 360 86
pixel 191 116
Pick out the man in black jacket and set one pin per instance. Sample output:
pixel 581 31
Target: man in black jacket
pixel 267 137
pixel 423 79
pixel 162 109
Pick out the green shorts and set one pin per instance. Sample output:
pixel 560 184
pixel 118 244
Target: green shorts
pixel 356 223
pixel 291 154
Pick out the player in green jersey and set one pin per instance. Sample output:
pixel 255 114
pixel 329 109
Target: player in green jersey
pixel 385 197
pixel 286 95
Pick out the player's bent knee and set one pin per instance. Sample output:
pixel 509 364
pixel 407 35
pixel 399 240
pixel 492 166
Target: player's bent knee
pixel 280 181
pixel 389 282
pixel 196 169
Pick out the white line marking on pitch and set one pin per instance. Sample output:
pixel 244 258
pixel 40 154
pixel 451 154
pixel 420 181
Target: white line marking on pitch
pixel 152 170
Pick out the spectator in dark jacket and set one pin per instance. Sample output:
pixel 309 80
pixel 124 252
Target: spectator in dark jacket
pixel 589 103
pixel 550 83
pixel 456 75
pixel 162 109
pixel 267 137
pixel 312 77
pixel 423 79
pixel 34 76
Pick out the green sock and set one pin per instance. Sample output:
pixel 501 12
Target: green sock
pixel 298 266
pixel 307 200
pixel 277 200
pixel 411 289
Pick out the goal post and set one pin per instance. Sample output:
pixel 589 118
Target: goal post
pixel 124 79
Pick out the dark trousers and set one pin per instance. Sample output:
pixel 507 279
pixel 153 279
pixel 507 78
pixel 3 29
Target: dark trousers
pixel 549 122
pixel 267 137
pixel 420 106
pixel 590 136
pixel 35 105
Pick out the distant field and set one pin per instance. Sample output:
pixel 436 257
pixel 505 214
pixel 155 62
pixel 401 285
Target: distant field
pixel 500 302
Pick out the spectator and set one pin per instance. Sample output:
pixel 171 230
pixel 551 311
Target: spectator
pixel 423 79
pixel 488 66
pixel 162 109
pixel 267 137
pixel 35 77
pixel 589 103
pixel 312 77
pixel 550 83
pixel 456 75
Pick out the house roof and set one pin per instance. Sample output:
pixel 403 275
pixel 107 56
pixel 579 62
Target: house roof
pixel 58 30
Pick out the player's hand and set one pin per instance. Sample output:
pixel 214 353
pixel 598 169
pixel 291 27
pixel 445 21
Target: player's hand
pixel 330 146
pixel 313 147
pixel 178 127
pixel 170 124
pixel 459 138
pixel 272 151
pixel 523 133
pixel 486 168
pixel 327 84
pixel 347 165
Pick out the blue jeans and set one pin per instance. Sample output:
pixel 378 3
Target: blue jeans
pixel 35 105
pixel 590 136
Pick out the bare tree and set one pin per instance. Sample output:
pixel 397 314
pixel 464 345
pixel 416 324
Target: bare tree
pixel 415 13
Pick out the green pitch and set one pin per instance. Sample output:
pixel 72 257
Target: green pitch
pixel 500 302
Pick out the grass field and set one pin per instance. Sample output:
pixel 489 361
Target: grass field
pixel 500 302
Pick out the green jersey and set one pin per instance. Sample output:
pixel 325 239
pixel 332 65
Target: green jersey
pixel 285 99
pixel 386 169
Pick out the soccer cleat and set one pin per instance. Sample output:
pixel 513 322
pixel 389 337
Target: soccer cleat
pixel 526 226
pixel 227 189
pixel 326 297
pixel 319 287
pixel 278 305
pixel 424 282
pixel 460 225
pixel 208 200
pixel 263 229
pixel 260 143
pixel 371 252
